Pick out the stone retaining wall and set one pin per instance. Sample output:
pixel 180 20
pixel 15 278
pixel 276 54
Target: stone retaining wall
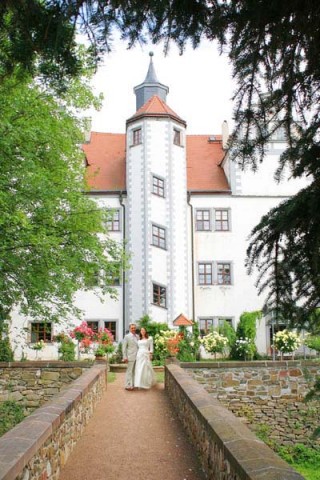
pixel 228 450
pixel 34 383
pixel 38 447
pixel 267 395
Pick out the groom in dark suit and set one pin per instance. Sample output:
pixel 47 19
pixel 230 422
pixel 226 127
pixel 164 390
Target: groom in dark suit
pixel 129 354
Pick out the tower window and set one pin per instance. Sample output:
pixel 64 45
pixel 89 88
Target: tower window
pixel 136 136
pixel 176 137
pixel 158 236
pixel 158 186
pixel 159 295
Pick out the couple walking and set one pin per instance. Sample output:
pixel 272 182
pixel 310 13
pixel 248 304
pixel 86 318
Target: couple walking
pixel 137 353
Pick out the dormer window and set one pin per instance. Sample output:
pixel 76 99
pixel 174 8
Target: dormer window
pixel 177 136
pixel 136 136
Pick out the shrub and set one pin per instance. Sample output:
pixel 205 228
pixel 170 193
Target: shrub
pixel 11 413
pixel 286 341
pixel 244 346
pixel 6 353
pixel 67 351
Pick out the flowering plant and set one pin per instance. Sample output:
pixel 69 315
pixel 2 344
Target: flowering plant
pixel 214 342
pixel 245 348
pixel 167 342
pixel 39 345
pixel 84 335
pixel 104 338
pixel 286 341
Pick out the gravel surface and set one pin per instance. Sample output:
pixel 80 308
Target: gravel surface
pixel 133 436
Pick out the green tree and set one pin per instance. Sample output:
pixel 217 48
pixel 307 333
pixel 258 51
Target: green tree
pixel 275 52
pixel 53 236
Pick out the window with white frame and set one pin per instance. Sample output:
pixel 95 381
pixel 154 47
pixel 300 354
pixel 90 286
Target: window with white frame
pixel 158 236
pixel 221 219
pixel 157 186
pixel 224 273
pixel 205 325
pixel 113 222
pixel 159 295
pixel 205 273
pixel 136 136
pixel 203 220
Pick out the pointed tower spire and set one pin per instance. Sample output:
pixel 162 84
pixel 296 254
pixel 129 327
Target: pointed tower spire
pixel 151 86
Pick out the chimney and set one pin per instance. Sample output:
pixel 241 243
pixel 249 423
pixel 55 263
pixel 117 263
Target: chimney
pixel 87 122
pixel 225 135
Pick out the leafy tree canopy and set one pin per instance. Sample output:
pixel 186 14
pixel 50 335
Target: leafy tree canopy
pixel 274 48
pixel 53 237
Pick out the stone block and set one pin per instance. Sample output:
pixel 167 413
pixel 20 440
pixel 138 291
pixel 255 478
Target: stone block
pixel 52 376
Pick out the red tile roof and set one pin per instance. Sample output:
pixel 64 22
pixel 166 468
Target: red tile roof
pixel 155 107
pixel 204 172
pixel 182 321
pixel 106 156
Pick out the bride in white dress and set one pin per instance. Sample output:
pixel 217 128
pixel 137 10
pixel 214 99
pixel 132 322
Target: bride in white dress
pixel 144 376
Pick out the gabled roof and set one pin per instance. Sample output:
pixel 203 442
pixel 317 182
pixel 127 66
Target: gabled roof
pixel 204 155
pixel 155 107
pixel 182 321
pixel 106 159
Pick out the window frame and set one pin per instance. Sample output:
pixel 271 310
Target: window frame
pixel 207 330
pixel 177 137
pixel 113 331
pixel 198 210
pixel 136 136
pixel 224 262
pixel 215 220
pixel 157 187
pixel 158 303
pixel 41 335
pixel 159 237
pixel 205 274
pixel 112 221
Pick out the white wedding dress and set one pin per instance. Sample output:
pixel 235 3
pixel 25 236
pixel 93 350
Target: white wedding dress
pixel 144 376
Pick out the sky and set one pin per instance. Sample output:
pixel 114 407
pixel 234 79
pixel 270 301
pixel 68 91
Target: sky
pixel 200 86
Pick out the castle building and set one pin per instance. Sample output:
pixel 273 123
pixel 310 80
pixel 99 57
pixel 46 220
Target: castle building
pixel 185 212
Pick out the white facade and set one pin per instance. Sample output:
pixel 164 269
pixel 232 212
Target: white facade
pixel 178 265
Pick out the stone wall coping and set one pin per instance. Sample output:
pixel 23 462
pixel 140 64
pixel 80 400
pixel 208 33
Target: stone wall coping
pixel 249 457
pixel 46 364
pixel 255 363
pixel 20 444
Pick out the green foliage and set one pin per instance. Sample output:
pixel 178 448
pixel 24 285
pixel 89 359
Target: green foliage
pixel 49 228
pixel 116 357
pixel 313 342
pixel 244 347
pixel 6 353
pixel 67 351
pixel 229 332
pixel 153 329
pixel 11 413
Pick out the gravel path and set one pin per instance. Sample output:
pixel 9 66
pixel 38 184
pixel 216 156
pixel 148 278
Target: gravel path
pixel 133 436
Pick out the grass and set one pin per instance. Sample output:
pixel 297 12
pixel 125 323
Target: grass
pixel 160 377
pixel 111 376
pixel 11 413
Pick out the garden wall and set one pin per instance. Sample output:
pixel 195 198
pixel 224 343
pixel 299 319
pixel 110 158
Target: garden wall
pixel 228 450
pixel 39 446
pixel 34 383
pixel 267 395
